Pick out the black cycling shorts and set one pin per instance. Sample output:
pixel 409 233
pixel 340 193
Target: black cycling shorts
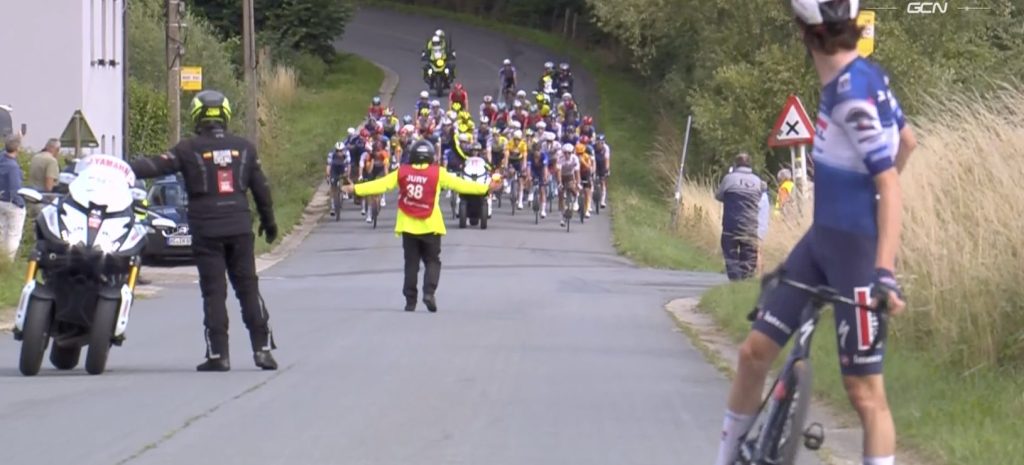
pixel 516 165
pixel 337 171
pixel 375 173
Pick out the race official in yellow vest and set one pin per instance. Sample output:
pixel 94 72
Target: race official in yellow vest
pixel 420 222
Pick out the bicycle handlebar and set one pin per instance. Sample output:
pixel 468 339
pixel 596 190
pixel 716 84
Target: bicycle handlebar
pixel 826 294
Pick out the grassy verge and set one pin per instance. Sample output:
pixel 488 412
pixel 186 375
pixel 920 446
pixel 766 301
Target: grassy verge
pixel 953 417
pixel 641 215
pixel 305 129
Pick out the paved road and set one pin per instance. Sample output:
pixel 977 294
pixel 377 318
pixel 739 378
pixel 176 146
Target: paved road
pixel 548 348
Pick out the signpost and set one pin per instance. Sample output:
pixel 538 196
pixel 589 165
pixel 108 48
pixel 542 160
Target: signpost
pixel 793 129
pixel 682 172
pixel 78 134
pixel 192 78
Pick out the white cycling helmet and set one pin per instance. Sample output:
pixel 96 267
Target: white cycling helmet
pixel 435 40
pixel 452 115
pixel 567 148
pixel 488 99
pixel 549 136
pixel 814 12
pixel 340 145
pixel 484 120
pixel 463 137
pixel 435 104
pixel 446 121
pixel 566 96
pixel 424 94
pixel 518 134
pixel 521 94
pixel 517 125
pixel 549 66
pixel 507 62
pixel 517 105
pixel 409 128
pixel 439 33
pixel 351 131
pixel 541 125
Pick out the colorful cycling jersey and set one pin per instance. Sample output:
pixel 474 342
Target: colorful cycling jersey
pixel 517 149
pixel 337 158
pixel 507 73
pixel 568 163
pixel 857 137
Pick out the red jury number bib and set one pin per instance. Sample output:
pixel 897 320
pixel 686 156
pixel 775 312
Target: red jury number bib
pixel 417 190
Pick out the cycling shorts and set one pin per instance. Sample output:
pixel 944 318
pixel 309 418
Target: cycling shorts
pixel 456 163
pixel 585 179
pixel 497 158
pixel 600 165
pixel 845 262
pixel 337 171
pixel 516 165
pixel 375 173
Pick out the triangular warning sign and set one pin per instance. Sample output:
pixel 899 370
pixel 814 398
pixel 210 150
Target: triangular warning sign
pixel 80 127
pixel 792 127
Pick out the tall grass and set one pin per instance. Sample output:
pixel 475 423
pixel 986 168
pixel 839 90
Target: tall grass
pixel 963 232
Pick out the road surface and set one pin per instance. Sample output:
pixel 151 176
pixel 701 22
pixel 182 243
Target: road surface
pixel 548 347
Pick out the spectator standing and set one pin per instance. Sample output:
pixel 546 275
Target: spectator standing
pixel 764 213
pixel 740 193
pixel 12 206
pixel 44 168
pixel 784 197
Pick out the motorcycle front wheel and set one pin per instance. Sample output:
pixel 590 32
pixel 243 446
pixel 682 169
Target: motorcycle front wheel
pixel 35 335
pixel 101 336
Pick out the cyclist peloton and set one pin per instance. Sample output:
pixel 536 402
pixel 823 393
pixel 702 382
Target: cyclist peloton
pixel 423 102
pixel 488 109
pixel 507 76
pixel 373 165
pixel 538 166
pixel 458 95
pixel 586 172
pixel 376 110
pixel 602 161
pixel 516 152
pixel 862 143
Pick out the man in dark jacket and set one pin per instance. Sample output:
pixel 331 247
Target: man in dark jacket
pixel 218 169
pixel 740 193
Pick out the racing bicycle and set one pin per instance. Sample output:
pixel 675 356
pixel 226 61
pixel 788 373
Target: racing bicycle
pixel 772 438
pixel 336 199
pixel 535 204
pixel 513 183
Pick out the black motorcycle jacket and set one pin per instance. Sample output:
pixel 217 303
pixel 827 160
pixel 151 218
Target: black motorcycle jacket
pixel 218 169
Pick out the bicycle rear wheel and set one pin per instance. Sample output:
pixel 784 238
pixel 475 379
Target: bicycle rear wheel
pixel 375 211
pixel 782 429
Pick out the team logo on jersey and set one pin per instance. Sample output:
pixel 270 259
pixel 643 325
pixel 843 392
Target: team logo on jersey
pixel 844 83
pixel 867 321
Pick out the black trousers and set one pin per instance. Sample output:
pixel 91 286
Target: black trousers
pixel 740 253
pixel 234 256
pixel 425 248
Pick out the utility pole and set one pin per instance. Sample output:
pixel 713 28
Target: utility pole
pixel 175 50
pixel 249 48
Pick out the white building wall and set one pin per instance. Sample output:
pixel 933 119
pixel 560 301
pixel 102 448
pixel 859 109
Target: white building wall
pixel 53 52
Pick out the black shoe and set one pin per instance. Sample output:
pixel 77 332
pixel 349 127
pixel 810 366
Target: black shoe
pixel 431 303
pixel 264 360
pixel 410 305
pixel 215 364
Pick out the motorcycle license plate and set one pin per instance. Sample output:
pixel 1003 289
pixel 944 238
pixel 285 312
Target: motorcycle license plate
pixel 179 241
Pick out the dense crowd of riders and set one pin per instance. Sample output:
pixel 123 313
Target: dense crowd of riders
pixel 540 137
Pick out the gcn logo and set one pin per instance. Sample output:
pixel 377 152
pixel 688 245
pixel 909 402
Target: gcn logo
pixel 927 8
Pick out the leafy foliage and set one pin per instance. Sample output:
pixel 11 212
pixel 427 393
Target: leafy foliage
pixel 292 25
pixel 732 66
pixel 147 120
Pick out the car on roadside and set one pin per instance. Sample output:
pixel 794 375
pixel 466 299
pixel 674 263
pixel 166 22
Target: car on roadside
pixel 167 198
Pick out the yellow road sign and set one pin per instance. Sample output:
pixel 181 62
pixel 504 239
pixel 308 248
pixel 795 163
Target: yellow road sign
pixel 866 44
pixel 191 78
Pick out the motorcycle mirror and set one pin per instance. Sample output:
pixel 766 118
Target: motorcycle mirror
pixel 164 224
pixel 30 195
pixel 138 194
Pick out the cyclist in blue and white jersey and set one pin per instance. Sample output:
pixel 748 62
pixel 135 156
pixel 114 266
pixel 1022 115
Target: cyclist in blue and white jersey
pixel 862 143
pixel 338 162
pixel 507 76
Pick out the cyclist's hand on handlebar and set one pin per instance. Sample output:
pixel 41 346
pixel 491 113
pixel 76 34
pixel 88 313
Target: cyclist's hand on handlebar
pixel 888 289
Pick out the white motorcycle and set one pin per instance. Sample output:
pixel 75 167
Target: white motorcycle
pixel 82 273
pixel 474 208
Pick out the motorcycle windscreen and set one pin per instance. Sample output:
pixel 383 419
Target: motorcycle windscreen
pixel 475 166
pixel 103 180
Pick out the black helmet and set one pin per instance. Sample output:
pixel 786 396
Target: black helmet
pixel 211 105
pixel 422 151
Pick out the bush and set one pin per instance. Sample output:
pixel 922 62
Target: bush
pixel 147 119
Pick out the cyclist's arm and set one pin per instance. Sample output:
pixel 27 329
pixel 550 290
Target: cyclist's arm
pixel 377 186
pixel 908 142
pixel 890 216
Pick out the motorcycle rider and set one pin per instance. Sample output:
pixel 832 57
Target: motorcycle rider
pixel 438 47
pixel 458 95
pixel 420 222
pixel 218 169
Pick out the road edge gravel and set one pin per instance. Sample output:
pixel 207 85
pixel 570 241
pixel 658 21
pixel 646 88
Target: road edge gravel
pixel 842 433
pixel 314 211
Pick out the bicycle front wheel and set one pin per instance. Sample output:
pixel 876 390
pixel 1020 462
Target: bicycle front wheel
pixel 782 431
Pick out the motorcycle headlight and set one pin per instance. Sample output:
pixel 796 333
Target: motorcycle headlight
pixel 440 63
pixel 430 72
pixel 446 71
